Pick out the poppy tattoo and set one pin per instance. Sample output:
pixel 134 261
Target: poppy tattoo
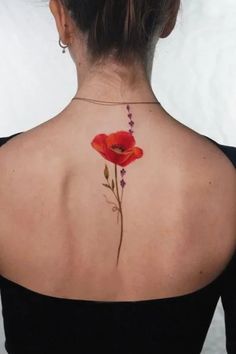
pixel 118 148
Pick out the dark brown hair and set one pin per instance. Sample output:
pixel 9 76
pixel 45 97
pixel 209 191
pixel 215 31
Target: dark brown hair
pixel 124 28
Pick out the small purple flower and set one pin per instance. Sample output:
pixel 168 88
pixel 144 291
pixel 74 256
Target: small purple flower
pixel 130 115
pixel 131 123
pixel 122 183
pixel 131 131
pixel 122 172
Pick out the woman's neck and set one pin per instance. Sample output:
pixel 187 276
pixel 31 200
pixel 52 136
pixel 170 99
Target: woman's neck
pixel 113 82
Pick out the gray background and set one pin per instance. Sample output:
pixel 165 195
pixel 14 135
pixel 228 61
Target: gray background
pixel 194 78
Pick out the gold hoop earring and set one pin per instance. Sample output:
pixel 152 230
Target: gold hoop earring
pixel 62 46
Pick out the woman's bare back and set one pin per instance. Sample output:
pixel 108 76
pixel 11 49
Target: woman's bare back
pixel 60 236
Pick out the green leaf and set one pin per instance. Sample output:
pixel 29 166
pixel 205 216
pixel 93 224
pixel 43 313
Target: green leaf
pixel 112 185
pixel 106 172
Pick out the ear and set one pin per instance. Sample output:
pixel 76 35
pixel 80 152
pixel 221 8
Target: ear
pixel 61 17
pixel 168 28
pixel 173 13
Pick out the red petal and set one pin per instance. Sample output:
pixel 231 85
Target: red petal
pixel 121 138
pixel 130 156
pixel 137 152
pixel 99 143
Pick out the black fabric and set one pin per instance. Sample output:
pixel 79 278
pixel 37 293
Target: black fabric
pixel 39 324
pixel 4 140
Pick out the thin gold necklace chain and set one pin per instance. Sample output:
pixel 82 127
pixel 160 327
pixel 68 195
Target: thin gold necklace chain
pixel 111 103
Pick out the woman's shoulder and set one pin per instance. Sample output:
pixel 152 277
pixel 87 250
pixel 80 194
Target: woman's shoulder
pixel 24 161
pixel 215 165
pixel 5 139
pixel 228 150
pixel 13 154
pixel 25 150
pixel 213 179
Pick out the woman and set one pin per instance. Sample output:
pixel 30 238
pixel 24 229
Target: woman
pixel 117 225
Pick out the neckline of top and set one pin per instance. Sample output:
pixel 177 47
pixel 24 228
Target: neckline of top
pixel 172 298
pixel 199 291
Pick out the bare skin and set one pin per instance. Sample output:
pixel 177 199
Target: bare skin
pixel 59 237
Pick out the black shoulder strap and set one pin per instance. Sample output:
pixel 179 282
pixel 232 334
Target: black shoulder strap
pixel 229 151
pixel 5 139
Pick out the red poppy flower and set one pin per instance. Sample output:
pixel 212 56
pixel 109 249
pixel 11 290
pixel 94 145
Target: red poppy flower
pixel 118 147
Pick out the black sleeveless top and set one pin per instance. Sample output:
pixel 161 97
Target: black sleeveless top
pixel 39 324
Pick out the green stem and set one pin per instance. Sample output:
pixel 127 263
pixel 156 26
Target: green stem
pixel 122 195
pixel 112 190
pixel 121 214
